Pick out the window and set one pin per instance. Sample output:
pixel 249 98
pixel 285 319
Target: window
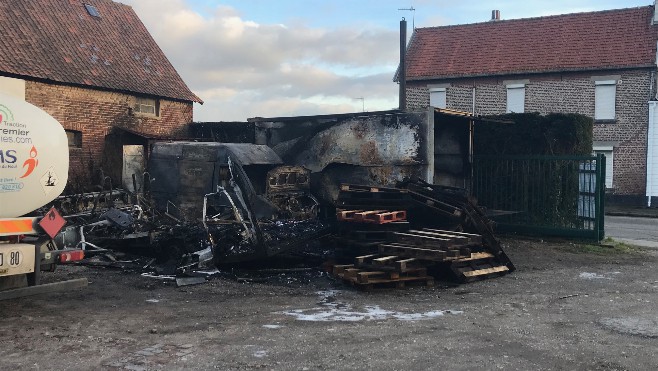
pixel 604 99
pixel 92 11
pixel 438 97
pixel 608 152
pixel 75 138
pixel 516 98
pixel 147 106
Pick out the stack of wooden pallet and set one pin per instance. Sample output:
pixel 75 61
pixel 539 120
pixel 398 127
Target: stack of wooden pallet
pixel 406 257
pixel 462 254
pixel 361 230
pixel 375 271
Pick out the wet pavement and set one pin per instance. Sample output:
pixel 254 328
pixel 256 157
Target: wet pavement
pixel 640 231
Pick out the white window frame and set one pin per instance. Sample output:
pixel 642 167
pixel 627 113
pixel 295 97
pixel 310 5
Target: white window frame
pixel 515 98
pixel 605 99
pixel 147 106
pixel 439 97
pixel 609 152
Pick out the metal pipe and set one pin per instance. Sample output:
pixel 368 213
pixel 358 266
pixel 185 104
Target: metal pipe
pixel 403 67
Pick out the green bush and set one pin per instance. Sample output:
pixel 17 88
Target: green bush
pixel 534 134
pixel 543 191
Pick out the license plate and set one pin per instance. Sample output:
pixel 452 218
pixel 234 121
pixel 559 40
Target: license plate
pixel 16 259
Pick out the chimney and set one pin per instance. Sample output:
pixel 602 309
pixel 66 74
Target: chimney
pixel 495 15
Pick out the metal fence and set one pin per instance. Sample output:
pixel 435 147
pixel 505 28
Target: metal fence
pixel 546 195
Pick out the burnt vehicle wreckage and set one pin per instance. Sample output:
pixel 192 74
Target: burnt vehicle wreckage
pixel 382 196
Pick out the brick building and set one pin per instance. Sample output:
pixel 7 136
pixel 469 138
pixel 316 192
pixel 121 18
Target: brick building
pixel 600 64
pixel 93 66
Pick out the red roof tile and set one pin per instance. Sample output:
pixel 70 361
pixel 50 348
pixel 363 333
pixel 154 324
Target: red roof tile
pixel 58 40
pixel 581 41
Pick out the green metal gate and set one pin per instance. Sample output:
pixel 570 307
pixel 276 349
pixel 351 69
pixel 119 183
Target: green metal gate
pixel 544 195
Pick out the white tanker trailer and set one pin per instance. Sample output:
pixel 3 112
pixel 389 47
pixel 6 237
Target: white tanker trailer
pixel 34 165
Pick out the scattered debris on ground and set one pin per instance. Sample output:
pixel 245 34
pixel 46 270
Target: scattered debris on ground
pixel 381 236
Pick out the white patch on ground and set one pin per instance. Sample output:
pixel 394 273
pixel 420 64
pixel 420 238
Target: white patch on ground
pixel 163 277
pixel 596 276
pixel 209 272
pixel 152 300
pixel 272 326
pixel 639 326
pixel 332 310
pixel 260 353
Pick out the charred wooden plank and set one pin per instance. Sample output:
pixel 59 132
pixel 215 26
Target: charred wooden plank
pixel 362 259
pixel 340 269
pixel 474 239
pixel 384 260
pixel 429 242
pixel 458 239
pixel 413 252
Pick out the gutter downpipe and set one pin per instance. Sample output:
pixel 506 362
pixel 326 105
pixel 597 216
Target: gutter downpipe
pixel 651 134
pixel 471 134
pixel 403 67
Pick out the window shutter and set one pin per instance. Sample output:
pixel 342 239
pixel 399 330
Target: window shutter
pixel 438 98
pixel 604 105
pixel 516 98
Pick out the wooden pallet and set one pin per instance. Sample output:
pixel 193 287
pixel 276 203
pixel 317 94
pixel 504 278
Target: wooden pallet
pixel 409 251
pixel 381 217
pixel 371 216
pixel 389 263
pixel 430 241
pixel 470 238
pixel 346 215
pixel 479 266
pixel 367 279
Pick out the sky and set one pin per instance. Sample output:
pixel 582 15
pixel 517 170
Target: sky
pixel 271 58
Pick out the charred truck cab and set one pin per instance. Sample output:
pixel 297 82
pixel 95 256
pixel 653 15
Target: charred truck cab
pixel 249 205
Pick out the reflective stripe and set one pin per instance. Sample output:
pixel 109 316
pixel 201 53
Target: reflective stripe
pixel 16 226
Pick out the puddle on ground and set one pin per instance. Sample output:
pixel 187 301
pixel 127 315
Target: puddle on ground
pixel 330 309
pixel 637 326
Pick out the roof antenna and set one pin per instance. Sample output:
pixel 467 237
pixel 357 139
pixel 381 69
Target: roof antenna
pixel 413 16
pixel 363 103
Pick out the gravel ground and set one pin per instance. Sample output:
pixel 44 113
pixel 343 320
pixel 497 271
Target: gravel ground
pixel 566 307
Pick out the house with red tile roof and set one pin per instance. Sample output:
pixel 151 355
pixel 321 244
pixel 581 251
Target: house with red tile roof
pixel 93 66
pixel 601 64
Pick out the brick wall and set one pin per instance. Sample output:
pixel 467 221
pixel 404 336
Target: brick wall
pixel 567 93
pixel 94 113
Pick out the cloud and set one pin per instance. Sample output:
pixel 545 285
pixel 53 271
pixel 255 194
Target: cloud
pixel 243 69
